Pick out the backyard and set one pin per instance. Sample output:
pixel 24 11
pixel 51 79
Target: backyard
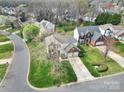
pixel 66 27
pixel 41 68
pixel 118 48
pixel 90 56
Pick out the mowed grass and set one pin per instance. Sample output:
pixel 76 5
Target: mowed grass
pixel 41 68
pixel 2 71
pixel 118 48
pixel 93 55
pixel 66 28
pixel 6 51
pixel 3 38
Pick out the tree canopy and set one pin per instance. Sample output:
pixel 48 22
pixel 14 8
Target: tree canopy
pixel 30 31
pixel 105 18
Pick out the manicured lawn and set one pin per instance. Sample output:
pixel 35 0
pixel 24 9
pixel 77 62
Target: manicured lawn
pixel 3 38
pixel 41 68
pixel 118 48
pixel 2 71
pixel 93 55
pixel 6 51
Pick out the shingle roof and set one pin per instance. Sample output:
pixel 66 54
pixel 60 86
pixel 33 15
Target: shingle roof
pixel 69 46
pixel 86 29
pixel 96 36
pixel 64 39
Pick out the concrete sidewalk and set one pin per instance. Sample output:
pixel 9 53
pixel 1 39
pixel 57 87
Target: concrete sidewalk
pixel 4 61
pixel 80 70
pixel 119 59
pixel 7 42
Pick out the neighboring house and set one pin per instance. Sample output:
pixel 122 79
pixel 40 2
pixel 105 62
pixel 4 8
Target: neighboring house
pixel 61 46
pixel 7 20
pixel 46 26
pixel 9 10
pixel 118 32
pixel 89 19
pixel 93 35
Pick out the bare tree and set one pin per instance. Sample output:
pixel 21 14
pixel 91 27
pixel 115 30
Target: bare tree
pixel 82 7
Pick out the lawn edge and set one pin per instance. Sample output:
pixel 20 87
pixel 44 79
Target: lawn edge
pixel 9 64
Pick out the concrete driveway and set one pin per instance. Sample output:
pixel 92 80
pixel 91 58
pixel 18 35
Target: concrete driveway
pixel 80 70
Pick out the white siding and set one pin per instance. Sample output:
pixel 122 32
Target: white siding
pixel 76 34
pixel 102 31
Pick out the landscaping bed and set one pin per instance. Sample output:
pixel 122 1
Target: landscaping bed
pixel 6 51
pixel 118 48
pixel 90 56
pixel 41 68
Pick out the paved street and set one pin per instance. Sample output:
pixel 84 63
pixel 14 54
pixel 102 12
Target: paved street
pixel 119 59
pixel 80 70
pixel 16 79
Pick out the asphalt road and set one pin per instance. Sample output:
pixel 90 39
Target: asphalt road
pixel 16 79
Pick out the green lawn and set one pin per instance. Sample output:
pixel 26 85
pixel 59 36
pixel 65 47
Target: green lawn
pixel 2 71
pixel 118 48
pixel 93 55
pixel 66 27
pixel 3 38
pixel 4 27
pixel 6 51
pixel 41 68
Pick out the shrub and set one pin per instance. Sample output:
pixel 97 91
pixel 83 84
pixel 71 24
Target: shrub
pixel 101 67
pixel 91 69
pixel 105 18
pixel 30 31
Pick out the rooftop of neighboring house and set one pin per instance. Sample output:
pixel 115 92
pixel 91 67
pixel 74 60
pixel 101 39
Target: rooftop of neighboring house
pixel 118 30
pixel 106 26
pixel 84 30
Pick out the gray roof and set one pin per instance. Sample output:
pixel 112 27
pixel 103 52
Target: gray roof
pixel 96 36
pixel 59 39
pixel 69 46
pixel 64 39
pixel 87 29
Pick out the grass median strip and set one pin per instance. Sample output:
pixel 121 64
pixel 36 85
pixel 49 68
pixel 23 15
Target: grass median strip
pixel 3 69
